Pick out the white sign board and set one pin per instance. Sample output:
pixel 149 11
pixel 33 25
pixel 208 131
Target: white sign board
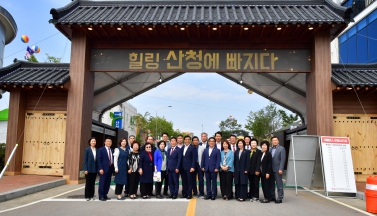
pixel 337 164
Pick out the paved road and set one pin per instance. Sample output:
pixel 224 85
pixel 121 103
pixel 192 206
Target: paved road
pixel 51 203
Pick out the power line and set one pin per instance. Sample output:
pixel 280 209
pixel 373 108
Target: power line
pixel 35 43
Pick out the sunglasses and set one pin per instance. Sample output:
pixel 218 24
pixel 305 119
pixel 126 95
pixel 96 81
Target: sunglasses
pixel 147 147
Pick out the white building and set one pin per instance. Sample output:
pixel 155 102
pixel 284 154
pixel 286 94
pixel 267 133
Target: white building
pixel 127 112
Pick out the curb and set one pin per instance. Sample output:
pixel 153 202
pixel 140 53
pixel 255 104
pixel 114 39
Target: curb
pixel 29 190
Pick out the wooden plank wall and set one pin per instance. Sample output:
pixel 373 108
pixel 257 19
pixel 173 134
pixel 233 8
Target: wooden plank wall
pixel 349 103
pixel 43 152
pixel 362 131
pixel 51 101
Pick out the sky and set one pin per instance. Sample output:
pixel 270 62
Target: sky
pixel 199 100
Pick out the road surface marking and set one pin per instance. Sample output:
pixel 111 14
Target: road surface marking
pixel 343 204
pixel 191 207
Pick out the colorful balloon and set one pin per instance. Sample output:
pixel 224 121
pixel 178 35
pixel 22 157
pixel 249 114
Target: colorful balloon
pixel 36 49
pixel 24 38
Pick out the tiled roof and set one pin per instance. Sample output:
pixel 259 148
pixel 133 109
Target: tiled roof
pixel 27 73
pixel 200 12
pixel 354 74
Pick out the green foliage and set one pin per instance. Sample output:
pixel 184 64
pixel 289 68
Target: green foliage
pixel 287 119
pixel 146 124
pixel 265 121
pixel 52 59
pixel 230 126
pixel 32 59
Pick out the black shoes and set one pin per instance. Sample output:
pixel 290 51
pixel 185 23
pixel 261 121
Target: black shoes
pixel 213 198
pixel 189 197
pixel 278 201
pixel 174 197
pixel 183 196
pixel 159 197
pixel 207 198
pixel 103 199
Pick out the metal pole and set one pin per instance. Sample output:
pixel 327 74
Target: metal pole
pixel 10 158
pixel 294 162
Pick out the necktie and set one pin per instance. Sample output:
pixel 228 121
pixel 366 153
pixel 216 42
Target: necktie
pixel 109 157
pixel 171 152
pixel 234 148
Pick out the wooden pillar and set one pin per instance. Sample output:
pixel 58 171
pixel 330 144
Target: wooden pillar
pixel 79 107
pixel 319 104
pixel 16 125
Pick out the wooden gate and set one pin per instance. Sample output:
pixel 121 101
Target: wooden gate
pixel 44 143
pixel 362 131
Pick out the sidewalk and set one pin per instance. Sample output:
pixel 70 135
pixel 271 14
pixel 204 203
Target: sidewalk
pixel 20 185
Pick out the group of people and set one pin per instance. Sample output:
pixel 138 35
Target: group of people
pixel 239 161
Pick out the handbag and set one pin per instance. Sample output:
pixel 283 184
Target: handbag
pixel 157 176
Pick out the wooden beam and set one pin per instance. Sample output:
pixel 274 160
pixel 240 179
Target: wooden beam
pixel 319 101
pixel 79 107
pixel 104 31
pixel 15 130
pixel 261 32
pixel 296 28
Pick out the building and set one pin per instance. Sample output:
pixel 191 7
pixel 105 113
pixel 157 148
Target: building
pixel 358 42
pixel 120 51
pixel 8 31
pixel 127 111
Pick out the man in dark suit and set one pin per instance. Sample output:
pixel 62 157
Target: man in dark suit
pixel 189 155
pixel 211 165
pixel 173 167
pixel 218 138
pixel 253 178
pixel 105 160
pixel 278 161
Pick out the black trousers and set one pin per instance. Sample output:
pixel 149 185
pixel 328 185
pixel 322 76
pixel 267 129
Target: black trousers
pixel 166 185
pixel 266 187
pixel 119 189
pixel 226 184
pixel 146 189
pixel 133 182
pixel 254 186
pixel 127 188
pixel 241 191
pixel 89 185
pixel 158 185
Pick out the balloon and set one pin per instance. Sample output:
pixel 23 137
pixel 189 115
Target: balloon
pixel 24 38
pixel 36 49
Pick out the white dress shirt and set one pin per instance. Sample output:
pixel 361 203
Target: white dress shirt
pixel 94 153
pixel 210 151
pixel 218 145
pixel 185 149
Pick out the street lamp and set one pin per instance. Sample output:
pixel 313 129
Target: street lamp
pixel 156 117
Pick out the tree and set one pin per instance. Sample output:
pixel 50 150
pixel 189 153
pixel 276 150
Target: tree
pixel 139 122
pixel 230 126
pixel 161 125
pixel 264 122
pixel 287 119
pixel 52 59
